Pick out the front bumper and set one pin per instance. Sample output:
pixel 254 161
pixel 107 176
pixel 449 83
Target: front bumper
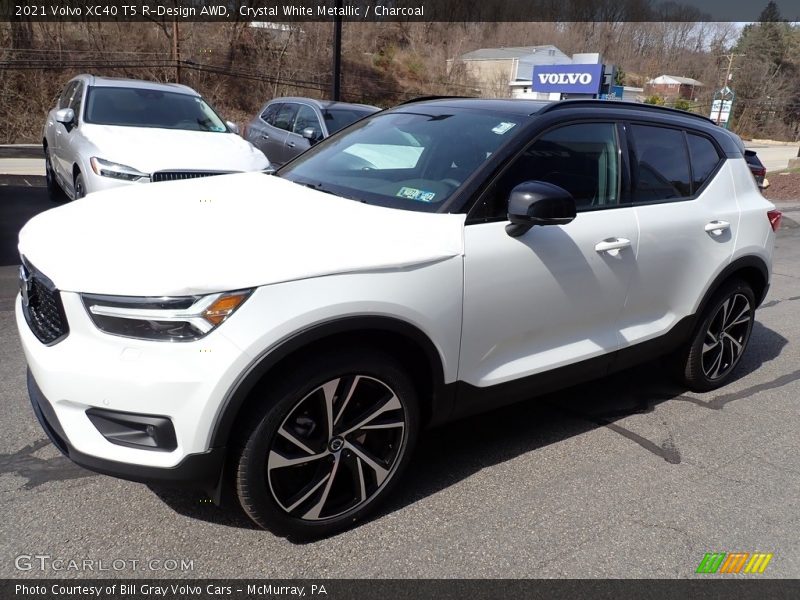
pixel 201 471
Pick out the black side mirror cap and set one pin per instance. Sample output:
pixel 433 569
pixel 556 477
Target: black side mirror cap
pixel 538 203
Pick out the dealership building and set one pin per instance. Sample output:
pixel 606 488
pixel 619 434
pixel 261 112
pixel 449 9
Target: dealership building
pixel 543 73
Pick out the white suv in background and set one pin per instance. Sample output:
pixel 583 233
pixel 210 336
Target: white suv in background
pixel 106 132
pixel 287 337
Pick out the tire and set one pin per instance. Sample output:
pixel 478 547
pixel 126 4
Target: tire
pixel 54 191
pixel 80 186
pixel 300 480
pixel 709 358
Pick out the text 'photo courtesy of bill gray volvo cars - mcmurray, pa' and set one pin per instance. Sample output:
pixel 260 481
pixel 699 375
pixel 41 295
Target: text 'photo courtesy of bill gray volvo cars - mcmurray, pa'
pixel 287 337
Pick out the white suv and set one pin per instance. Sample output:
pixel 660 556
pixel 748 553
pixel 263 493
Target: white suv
pixel 288 336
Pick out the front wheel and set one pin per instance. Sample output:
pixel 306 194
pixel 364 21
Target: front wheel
pixel 328 444
pixel 710 357
pixel 80 186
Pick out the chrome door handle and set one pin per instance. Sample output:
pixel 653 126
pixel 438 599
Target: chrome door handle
pixel 612 245
pixel 717 227
pixel 264 136
pixel 290 144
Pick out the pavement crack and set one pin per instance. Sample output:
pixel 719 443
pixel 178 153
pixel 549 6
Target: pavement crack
pixel 719 402
pixel 667 450
pixel 772 303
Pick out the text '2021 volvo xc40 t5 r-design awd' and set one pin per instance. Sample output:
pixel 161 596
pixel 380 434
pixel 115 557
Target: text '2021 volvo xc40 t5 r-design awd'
pixel 287 337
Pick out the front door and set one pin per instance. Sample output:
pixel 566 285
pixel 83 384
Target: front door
pixel 553 296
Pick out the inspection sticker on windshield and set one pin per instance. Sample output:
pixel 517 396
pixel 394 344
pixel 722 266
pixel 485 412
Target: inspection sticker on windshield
pixel 415 194
pixel 503 127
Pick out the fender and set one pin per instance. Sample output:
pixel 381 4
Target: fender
pixel 744 262
pixel 441 401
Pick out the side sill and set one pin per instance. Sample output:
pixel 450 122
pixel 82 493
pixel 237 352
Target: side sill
pixel 472 400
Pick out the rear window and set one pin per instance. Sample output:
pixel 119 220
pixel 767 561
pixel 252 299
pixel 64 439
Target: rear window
pixel 705 159
pixel 339 118
pixel 661 165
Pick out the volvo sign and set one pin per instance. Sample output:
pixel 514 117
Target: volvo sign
pixel 568 79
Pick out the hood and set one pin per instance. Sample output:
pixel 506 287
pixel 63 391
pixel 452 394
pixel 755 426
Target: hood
pixel 225 233
pixel 151 149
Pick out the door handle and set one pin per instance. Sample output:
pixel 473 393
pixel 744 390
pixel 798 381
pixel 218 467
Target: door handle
pixel 264 136
pixel 717 227
pixel 612 245
pixel 290 144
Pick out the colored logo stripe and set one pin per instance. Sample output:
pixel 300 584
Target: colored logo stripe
pixel 722 562
pixel 711 562
pixel 758 563
pixel 734 562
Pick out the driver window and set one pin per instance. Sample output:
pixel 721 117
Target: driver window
pixel 581 158
pixel 76 100
pixel 306 117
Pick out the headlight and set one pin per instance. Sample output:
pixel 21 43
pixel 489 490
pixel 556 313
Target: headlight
pixel 109 169
pixel 176 319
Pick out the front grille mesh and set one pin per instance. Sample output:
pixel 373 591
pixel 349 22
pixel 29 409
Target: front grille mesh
pixel 45 312
pixel 178 175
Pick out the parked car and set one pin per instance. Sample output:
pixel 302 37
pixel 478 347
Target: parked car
pixel 757 168
pixel 105 132
pixel 290 341
pixel 287 127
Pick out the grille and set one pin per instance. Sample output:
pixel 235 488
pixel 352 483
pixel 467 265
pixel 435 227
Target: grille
pixel 177 175
pixel 44 311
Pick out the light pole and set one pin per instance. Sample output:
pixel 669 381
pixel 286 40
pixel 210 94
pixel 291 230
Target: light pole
pixel 337 52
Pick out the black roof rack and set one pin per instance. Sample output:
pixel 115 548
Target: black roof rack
pixel 425 98
pixel 620 104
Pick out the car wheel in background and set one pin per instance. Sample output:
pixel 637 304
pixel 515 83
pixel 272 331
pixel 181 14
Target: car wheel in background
pixel 80 186
pixel 327 444
pixel 710 357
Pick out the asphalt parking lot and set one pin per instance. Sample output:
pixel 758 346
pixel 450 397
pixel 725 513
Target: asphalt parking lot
pixel 630 476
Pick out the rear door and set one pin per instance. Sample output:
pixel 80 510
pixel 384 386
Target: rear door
pixel 688 218
pixel 267 135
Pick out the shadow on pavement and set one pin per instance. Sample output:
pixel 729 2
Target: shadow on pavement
pixel 453 452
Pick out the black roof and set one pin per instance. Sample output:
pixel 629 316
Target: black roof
pixel 728 141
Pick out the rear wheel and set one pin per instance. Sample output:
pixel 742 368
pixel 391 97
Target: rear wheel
pixel 329 443
pixel 710 357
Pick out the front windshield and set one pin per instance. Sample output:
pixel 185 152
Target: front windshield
pixel 409 160
pixel 133 107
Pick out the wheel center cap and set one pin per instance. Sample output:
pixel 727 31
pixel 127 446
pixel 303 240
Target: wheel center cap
pixel 336 444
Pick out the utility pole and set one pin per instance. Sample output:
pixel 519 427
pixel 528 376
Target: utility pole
pixel 337 53
pixel 176 50
pixel 725 87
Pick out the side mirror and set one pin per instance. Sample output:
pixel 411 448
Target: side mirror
pixel 65 116
pixel 232 126
pixel 538 203
pixel 310 134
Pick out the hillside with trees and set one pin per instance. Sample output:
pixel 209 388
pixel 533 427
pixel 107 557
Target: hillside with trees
pixel 238 66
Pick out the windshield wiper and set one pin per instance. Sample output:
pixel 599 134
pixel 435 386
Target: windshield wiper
pixel 318 187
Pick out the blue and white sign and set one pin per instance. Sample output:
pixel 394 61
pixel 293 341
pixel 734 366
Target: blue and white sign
pixel 567 79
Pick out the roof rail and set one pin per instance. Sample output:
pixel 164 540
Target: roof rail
pixel 424 98
pixel 562 104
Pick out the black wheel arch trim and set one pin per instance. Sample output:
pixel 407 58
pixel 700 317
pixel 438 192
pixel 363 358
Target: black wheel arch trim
pixel 744 262
pixel 441 402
